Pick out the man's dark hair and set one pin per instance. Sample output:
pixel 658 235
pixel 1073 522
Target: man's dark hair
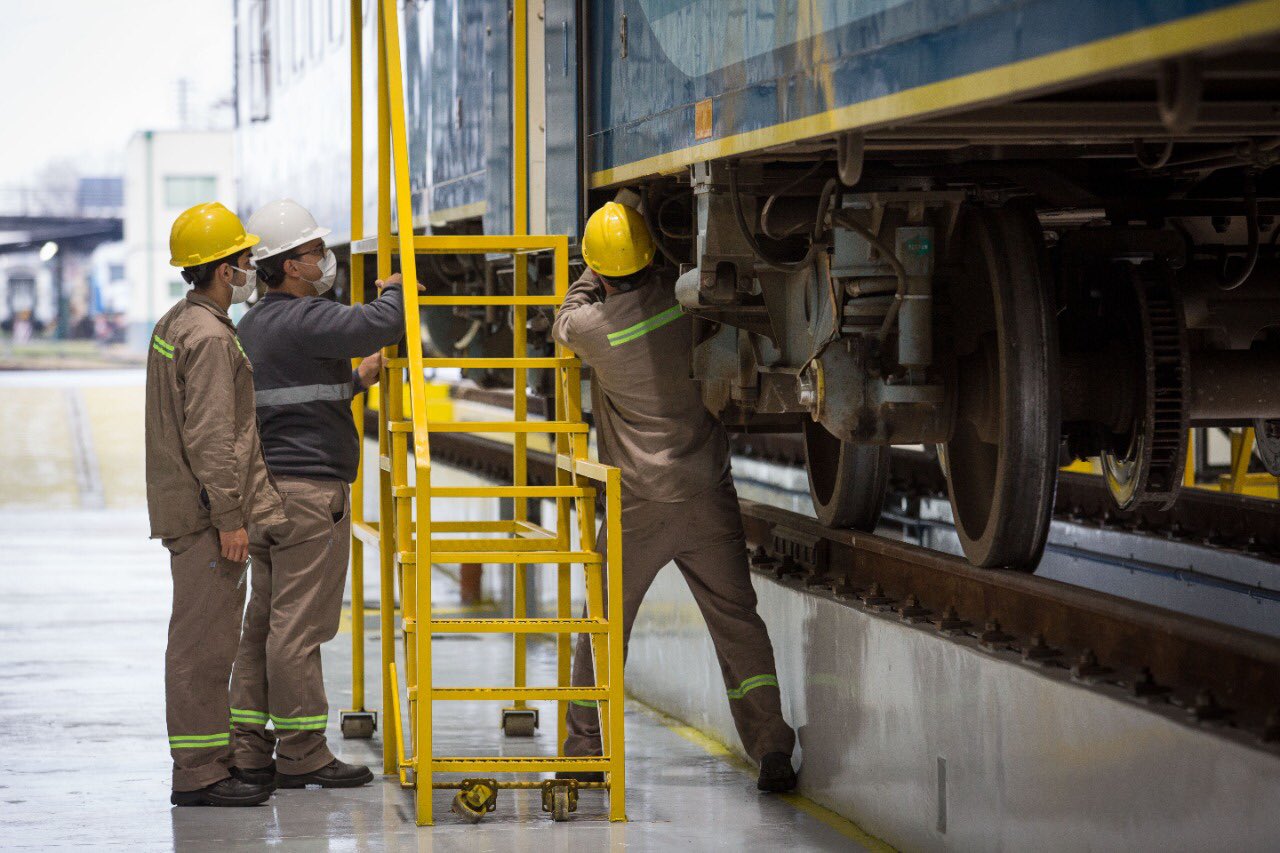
pixel 628 283
pixel 201 275
pixel 271 270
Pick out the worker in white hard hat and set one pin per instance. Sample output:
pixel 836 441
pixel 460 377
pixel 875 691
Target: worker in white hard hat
pixel 301 345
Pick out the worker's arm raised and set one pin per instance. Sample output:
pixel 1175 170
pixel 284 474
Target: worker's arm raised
pixel 331 330
pixel 578 312
pixel 208 429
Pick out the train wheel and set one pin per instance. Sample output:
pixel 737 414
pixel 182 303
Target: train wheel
pixel 1002 459
pixel 846 481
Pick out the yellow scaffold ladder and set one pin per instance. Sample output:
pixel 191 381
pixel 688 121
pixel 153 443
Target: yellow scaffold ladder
pixel 409 543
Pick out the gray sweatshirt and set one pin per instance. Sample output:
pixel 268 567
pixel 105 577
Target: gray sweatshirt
pixel 300 349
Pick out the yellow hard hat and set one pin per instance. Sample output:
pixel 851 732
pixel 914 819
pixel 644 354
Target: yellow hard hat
pixel 617 241
pixel 206 233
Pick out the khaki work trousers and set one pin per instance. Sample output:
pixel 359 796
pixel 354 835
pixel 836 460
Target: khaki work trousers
pixel 704 536
pixel 299 573
pixel 204 630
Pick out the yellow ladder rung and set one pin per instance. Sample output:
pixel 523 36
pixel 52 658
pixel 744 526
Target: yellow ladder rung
pixel 365 531
pixel 512 492
pixel 490 426
pixel 518 557
pixel 496 363
pixel 519 626
pixel 517 764
pixel 452 244
pixel 530 544
pixel 502 301
pixel 506 426
pixel 489 694
pixel 474 526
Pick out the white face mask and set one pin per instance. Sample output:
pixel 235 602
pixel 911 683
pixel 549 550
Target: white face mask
pixel 328 272
pixel 241 292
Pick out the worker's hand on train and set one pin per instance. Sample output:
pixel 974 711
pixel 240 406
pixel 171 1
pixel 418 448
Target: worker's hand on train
pixel 370 369
pixel 396 278
pixel 235 545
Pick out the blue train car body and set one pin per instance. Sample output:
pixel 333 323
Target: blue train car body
pixel 667 83
pixel 766 73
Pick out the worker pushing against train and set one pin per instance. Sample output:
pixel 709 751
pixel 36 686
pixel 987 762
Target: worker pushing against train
pixel 206 481
pixel 301 347
pixel 678 499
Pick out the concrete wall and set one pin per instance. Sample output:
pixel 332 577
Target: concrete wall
pixel 932 744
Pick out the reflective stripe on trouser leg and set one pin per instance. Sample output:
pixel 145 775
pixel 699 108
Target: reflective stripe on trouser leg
pixel 713 560
pixel 645 550
pixel 308 575
pixel 255 744
pixel 204 630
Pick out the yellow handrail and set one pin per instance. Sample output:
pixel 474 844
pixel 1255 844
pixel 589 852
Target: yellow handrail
pixel 405 531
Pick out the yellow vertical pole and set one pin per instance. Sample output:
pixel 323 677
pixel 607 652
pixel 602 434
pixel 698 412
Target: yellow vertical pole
pixel 392 734
pixel 617 770
pixel 1241 453
pixel 520 280
pixel 564 642
pixel 357 402
pixel 421 447
pixel 1189 472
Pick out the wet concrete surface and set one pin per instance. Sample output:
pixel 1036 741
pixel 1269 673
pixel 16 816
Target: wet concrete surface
pixel 84 759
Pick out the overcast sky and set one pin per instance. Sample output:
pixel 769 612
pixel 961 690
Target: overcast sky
pixel 84 75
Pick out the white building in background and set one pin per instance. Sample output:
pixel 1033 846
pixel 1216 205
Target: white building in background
pixel 165 173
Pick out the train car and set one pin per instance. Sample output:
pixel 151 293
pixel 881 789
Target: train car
pixel 1021 231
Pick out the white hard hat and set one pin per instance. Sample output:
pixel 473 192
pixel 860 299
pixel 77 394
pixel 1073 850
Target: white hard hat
pixel 282 225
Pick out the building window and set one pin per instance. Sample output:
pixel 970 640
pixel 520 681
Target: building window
pixel 183 191
pixel 177 288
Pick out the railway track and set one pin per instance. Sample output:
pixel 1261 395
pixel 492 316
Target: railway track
pixel 1193 670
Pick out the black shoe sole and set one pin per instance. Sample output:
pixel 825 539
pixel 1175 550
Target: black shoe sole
pixel 200 798
pixel 303 780
pixel 776 786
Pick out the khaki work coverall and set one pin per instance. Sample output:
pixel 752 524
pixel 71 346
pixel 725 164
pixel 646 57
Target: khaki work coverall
pixel 299 574
pixel 205 473
pixel 678 501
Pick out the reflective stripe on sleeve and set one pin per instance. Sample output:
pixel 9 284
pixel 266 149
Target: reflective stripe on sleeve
pixel 644 327
pixel 303 394
pixel 752 683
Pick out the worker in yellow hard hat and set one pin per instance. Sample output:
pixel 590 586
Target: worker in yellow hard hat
pixel 206 482
pixel 678 498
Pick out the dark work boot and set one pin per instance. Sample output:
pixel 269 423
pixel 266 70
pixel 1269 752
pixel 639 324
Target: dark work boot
pixel 265 776
pixel 225 792
pixel 335 774
pixel 776 775
pixel 582 775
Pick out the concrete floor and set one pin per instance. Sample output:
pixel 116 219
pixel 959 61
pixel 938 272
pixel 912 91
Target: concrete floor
pixel 84 760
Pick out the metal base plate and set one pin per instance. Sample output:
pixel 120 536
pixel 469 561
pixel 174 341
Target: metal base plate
pixel 359 725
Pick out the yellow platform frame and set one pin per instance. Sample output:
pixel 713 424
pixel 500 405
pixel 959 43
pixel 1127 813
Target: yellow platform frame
pixel 405 535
